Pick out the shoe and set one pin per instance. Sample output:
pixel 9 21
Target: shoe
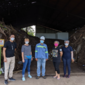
pixel 6 82
pixel 64 76
pixel 11 79
pixel 58 78
pixel 68 76
pixel 44 77
pixel 55 77
pixel 30 76
pixel 37 77
pixel 23 78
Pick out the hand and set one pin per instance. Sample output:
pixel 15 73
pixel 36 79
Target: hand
pixel 72 60
pixel 46 59
pixel 23 60
pixel 61 60
pixel 32 59
pixel 36 59
pixel 5 60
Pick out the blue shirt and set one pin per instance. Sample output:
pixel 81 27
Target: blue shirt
pixel 67 52
pixel 41 51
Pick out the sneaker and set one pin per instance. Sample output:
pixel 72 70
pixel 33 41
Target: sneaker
pixel 44 77
pixel 23 78
pixel 64 76
pixel 6 82
pixel 68 76
pixel 37 77
pixel 11 79
pixel 30 76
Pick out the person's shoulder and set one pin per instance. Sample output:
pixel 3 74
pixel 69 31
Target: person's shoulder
pixel 23 45
pixel 69 46
pixel 45 44
pixel 29 45
pixel 15 43
pixel 63 47
pixel 7 42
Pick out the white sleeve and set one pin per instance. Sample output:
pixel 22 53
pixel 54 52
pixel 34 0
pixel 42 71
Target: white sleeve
pixel 60 49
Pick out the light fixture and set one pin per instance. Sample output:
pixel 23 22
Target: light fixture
pixel 33 2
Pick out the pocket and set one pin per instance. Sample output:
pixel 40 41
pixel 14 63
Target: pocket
pixel 44 49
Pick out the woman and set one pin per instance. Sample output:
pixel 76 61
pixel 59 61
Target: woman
pixel 67 57
pixel 56 53
pixel 26 58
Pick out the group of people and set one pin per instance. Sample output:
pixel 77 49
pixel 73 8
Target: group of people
pixel 41 56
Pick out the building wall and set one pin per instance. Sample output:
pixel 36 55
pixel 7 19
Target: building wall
pixel 40 29
pixel 62 35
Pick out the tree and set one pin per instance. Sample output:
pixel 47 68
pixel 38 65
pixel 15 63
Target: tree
pixel 30 30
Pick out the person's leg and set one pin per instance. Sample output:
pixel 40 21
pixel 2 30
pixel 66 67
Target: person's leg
pixel 43 66
pixel 58 70
pixel 12 65
pixel 54 63
pixel 28 67
pixel 64 66
pixel 7 68
pixel 69 66
pixel 38 67
pixel 24 67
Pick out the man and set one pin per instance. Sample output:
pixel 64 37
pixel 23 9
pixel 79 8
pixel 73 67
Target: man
pixel 41 56
pixel 9 58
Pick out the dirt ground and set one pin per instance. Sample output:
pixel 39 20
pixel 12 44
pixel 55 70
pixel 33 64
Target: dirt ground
pixel 77 76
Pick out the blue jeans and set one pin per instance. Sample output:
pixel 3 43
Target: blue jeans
pixel 66 62
pixel 41 62
pixel 27 64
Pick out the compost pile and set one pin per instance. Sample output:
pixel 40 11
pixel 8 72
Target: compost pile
pixel 5 32
pixel 77 41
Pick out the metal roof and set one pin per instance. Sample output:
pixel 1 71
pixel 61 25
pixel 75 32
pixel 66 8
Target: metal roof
pixel 63 15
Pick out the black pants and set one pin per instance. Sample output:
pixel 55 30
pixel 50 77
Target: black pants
pixel 56 66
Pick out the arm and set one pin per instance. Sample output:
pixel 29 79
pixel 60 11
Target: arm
pixel 23 57
pixel 32 56
pixel 36 53
pixel 4 54
pixel 72 56
pixel 61 53
pixel 22 54
pixel 46 52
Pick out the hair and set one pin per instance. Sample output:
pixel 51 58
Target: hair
pixel 11 34
pixel 26 38
pixel 56 41
pixel 66 40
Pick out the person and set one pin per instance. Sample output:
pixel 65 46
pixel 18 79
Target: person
pixel 26 58
pixel 56 54
pixel 67 57
pixel 9 58
pixel 41 56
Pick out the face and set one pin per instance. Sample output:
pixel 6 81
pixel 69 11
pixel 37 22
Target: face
pixel 12 37
pixel 41 41
pixel 67 42
pixel 56 43
pixel 26 40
